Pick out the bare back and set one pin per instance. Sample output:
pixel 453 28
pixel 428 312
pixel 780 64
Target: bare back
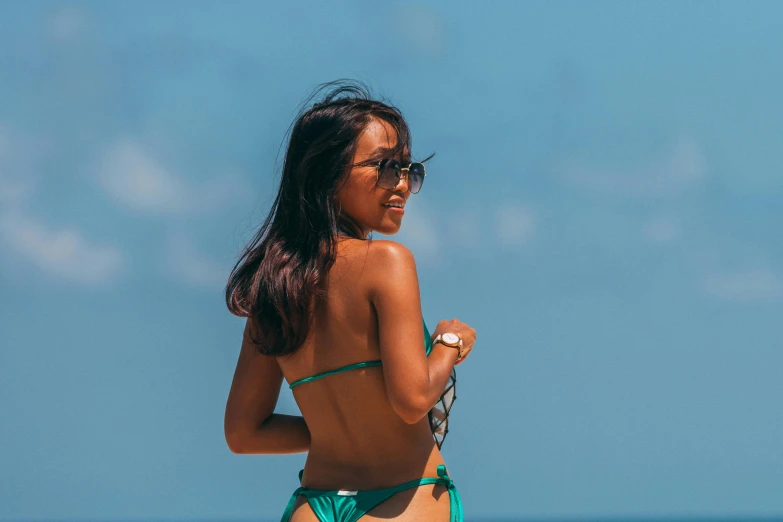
pixel 357 440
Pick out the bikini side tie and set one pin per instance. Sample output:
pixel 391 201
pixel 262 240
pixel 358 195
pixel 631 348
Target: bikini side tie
pixel 455 502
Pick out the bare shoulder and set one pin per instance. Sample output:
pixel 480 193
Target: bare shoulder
pixel 383 251
pixel 377 254
pixel 393 267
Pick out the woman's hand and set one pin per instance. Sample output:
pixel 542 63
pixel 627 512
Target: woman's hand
pixel 466 333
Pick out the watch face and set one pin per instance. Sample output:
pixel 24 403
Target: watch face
pixel 451 338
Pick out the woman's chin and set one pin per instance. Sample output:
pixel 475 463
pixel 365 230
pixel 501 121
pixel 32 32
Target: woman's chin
pixel 388 229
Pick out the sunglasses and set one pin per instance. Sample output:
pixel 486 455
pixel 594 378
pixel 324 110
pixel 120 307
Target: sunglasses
pixel 390 172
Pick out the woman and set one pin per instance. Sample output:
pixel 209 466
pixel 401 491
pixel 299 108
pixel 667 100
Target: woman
pixel 338 316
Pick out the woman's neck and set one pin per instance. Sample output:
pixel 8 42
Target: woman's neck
pixel 345 233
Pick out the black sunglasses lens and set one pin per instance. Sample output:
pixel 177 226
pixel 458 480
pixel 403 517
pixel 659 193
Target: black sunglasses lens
pixel 415 177
pixel 389 174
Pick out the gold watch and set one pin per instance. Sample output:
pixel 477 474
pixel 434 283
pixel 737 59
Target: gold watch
pixel 451 340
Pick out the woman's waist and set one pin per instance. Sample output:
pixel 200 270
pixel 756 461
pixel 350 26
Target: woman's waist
pixel 361 469
pixel 373 433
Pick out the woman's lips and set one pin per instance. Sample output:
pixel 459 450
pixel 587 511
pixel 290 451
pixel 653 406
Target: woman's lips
pixel 398 210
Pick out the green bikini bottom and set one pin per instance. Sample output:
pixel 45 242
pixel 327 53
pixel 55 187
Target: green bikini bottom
pixel 350 506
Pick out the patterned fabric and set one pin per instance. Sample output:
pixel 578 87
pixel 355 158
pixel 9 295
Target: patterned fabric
pixel 439 414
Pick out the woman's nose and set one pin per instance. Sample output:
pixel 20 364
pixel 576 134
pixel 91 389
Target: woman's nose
pixel 403 179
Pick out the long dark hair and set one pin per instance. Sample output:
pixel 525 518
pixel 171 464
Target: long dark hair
pixel 279 276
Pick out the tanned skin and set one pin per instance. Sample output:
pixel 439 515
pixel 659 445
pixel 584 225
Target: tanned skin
pixel 366 428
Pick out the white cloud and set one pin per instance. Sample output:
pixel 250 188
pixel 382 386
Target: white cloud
pixel 682 168
pixel 63 253
pixel 465 229
pixel 185 262
pixel 134 178
pixel 67 24
pixel 514 225
pixel 661 230
pixel 756 284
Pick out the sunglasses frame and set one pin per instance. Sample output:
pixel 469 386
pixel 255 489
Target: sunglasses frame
pixel 407 171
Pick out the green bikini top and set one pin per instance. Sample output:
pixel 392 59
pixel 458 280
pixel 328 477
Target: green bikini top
pixel 365 364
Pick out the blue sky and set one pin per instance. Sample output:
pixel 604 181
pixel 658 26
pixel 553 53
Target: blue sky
pixel 602 209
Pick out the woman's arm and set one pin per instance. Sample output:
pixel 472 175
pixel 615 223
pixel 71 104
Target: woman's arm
pixel 414 382
pixel 250 425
